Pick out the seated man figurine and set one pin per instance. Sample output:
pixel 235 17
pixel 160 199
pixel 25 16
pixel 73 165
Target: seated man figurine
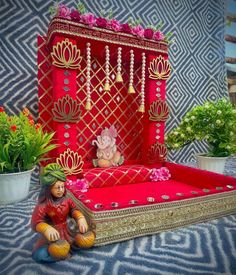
pixel 107 154
pixel 50 219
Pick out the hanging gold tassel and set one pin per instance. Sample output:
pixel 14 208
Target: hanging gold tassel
pixel 88 100
pixel 141 109
pixel 118 75
pixel 107 87
pixel 131 74
pixel 131 89
pixel 107 69
pixel 88 106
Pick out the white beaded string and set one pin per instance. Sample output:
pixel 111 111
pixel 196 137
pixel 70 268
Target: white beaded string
pixel 119 60
pixel 142 103
pixel 88 77
pixel 107 69
pixel 131 73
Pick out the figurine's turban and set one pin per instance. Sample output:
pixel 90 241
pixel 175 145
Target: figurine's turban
pixel 52 173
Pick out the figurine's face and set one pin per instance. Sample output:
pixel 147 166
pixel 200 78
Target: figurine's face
pixel 106 140
pixel 58 189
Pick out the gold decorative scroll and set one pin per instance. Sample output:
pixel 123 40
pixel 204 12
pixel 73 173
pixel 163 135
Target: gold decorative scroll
pixel 66 109
pixel 158 111
pixel 66 55
pixel 157 153
pixel 159 69
pixel 71 162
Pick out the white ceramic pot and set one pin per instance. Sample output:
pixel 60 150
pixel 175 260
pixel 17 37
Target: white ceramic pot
pixel 14 187
pixel 213 164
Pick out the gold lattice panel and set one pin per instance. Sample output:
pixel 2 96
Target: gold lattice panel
pixel 45 84
pixel 114 107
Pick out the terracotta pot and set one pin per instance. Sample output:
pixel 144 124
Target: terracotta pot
pixel 213 164
pixel 14 187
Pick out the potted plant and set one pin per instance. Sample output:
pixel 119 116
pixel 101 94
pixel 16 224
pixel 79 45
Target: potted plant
pixel 214 122
pixel 22 145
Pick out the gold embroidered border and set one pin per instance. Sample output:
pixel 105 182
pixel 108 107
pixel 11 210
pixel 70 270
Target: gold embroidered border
pixel 118 225
pixel 64 26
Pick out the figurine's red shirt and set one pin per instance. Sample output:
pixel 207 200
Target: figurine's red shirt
pixel 56 215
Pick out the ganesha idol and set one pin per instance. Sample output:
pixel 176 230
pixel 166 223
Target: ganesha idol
pixel 107 154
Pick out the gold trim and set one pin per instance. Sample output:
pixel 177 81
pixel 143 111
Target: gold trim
pixel 157 153
pixel 117 225
pixel 63 26
pixel 158 111
pixel 66 109
pixel 71 162
pixel 66 55
pixel 159 69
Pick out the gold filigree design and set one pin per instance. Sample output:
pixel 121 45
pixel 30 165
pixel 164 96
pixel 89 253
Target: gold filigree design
pixel 71 162
pixel 123 224
pixel 158 111
pixel 66 109
pixel 103 111
pixel 159 69
pixel 66 55
pixel 157 153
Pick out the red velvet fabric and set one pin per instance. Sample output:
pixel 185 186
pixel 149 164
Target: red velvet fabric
pixel 182 185
pixel 120 175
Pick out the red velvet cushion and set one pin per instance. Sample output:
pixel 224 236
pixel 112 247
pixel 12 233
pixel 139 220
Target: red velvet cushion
pixel 125 174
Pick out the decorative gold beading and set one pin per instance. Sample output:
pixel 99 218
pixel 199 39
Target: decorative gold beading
pixel 71 162
pixel 159 69
pixel 122 224
pixel 66 109
pixel 66 55
pixel 158 111
pixel 157 153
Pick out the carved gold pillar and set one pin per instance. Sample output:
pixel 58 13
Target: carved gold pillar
pixel 156 109
pixel 66 111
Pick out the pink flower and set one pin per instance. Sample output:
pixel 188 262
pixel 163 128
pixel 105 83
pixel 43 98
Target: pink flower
pixel 138 30
pixel 148 33
pixel 165 173
pixel 126 28
pixel 161 174
pixel 101 22
pixel 88 19
pixel 63 11
pixel 158 36
pixel 75 15
pixel 114 25
pixel 79 184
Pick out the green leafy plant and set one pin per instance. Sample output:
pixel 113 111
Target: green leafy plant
pixel 22 142
pixel 214 122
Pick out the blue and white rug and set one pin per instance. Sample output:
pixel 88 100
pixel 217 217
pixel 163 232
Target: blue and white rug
pixel 206 248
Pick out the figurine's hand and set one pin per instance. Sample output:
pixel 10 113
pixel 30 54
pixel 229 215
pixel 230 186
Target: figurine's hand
pixel 83 226
pixel 51 234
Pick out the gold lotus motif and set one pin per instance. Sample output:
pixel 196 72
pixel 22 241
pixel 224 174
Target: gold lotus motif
pixel 66 109
pixel 157 153
pixel 158 111
pixel 71 162
pixel 159 69
pixel 66 55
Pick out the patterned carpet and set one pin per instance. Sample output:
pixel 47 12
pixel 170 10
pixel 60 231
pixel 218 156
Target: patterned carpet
pixel 206 248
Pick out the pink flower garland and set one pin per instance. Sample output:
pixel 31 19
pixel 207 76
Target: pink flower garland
pixel 63 11
pixel 112 24
pixel 138 30
pixel 88 19
pixel 161 174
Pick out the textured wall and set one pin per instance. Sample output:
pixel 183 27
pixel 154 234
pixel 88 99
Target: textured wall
pixel 196 56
